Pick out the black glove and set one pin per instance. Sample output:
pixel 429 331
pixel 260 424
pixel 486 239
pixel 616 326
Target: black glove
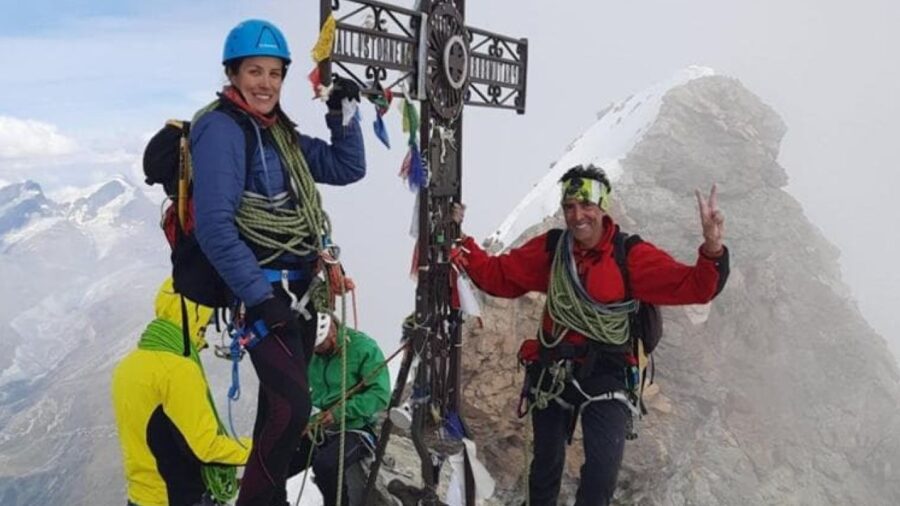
pixel 343 88
pixel 277 316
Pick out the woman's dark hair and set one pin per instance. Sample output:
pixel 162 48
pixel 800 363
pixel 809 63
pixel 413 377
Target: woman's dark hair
pixel 589 172
pixel 233 66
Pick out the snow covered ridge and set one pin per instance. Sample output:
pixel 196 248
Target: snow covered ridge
pixel 618 129
pixel 99 211
pixel 102 202
pixel 21 202
pixel 12 196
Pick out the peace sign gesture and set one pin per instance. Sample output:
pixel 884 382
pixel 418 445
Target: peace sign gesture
pixel 713 222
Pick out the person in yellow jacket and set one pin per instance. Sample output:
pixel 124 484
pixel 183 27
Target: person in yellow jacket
pixel 175 449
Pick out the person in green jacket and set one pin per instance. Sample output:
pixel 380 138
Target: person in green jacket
pixel 321 446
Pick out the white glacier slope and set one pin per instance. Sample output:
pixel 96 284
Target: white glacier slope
pixel 618 129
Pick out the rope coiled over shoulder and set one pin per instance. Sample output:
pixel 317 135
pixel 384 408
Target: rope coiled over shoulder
pixel 572 308
pixel 287 225
pixel 293 222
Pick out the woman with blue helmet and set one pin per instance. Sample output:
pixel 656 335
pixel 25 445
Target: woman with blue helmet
pixel 259 220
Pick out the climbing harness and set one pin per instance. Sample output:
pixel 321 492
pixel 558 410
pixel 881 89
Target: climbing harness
pixel 284 278
pixel 560 374
pixel 245 335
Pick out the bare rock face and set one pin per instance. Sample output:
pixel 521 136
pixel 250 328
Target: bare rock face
pixel 778 392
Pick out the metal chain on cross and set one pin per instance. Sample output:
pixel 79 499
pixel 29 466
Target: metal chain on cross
pixel 443 65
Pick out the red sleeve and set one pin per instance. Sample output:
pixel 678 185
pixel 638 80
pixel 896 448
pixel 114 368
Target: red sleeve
pixel 512 274
pixel 657 278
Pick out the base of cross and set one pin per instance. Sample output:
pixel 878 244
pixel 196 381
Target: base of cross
pixel 408 495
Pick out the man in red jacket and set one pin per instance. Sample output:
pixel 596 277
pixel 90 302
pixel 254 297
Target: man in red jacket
pixel 578 364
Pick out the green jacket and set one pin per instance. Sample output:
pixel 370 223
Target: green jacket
pixel 363 358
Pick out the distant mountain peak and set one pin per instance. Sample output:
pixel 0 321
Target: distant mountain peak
pixel 105 212
pixel 105 201
pixel 20 202
pixel 14 191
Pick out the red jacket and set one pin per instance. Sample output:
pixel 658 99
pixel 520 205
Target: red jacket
pixel 656 277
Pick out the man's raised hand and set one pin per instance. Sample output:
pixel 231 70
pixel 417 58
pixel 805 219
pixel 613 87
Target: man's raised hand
pixel 712 220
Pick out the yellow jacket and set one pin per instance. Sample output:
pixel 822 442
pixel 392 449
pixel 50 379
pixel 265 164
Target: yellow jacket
pixel 155 390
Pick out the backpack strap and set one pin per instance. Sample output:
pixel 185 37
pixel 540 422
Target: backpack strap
pixel 553 237
pixel 243 121
pixel 185 175
pixel 622 244
pixel 185 328
pixel 620 254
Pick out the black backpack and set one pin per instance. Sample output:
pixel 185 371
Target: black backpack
pixel 167 162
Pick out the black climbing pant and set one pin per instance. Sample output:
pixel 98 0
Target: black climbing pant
pixel 603 428
pixel 282 411
pixel 325 463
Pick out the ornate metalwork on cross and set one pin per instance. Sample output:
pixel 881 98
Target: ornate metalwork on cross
pixel 429 55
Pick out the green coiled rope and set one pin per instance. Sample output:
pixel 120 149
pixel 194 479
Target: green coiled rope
pixel 571 307
pixel 287 225
pixel 282 224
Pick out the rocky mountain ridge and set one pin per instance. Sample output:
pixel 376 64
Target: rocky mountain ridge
pixel 778 392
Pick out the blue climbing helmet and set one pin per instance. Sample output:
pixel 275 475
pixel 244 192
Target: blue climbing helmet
pixel 255 37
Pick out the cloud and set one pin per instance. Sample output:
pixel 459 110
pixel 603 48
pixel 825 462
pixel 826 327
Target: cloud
pixel 39 151
pixel 24 139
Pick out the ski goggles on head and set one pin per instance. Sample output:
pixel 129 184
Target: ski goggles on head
pixel 586 190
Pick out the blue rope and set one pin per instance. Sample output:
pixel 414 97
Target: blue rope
pixel 234 391
pixel 254 336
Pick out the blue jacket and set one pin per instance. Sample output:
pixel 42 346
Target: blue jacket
pixel 218 150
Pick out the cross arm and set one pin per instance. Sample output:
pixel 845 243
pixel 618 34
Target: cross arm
pixel 375 41
pixel 498 66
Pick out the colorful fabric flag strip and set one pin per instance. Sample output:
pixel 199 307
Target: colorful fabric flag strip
pixel 315 79
pixel 404 167
pixel 322 50
pixel 380 130
pixel 417 177
pixel 320 91
pixel 382 103
pixel 410 120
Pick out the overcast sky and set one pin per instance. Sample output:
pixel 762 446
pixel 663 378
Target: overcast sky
pixel 89 81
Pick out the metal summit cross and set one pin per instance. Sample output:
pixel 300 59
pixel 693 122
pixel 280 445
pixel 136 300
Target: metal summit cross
pixel 444 64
